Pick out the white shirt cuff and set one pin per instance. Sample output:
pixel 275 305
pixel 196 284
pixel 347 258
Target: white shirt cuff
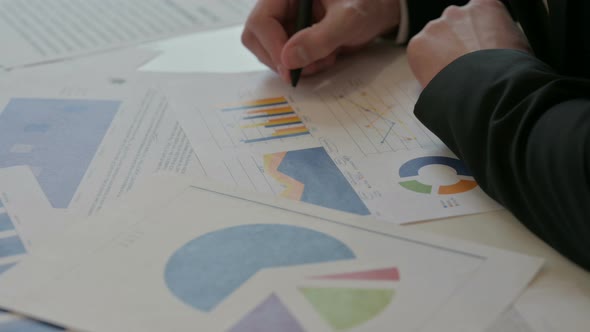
pixel 403 30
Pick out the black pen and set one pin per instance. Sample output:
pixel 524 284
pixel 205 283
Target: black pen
pixel 304 15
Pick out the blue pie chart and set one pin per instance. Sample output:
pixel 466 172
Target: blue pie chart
pixel 209 268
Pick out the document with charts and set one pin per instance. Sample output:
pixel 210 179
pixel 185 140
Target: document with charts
pixel 224 261
pixel 27 217
pixel 89 141
pixel 346 140
pixel 27 220
pixel 38 31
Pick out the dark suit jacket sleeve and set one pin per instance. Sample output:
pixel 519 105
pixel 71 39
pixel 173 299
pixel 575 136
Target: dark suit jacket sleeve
pixel 421 12
pixel 524 132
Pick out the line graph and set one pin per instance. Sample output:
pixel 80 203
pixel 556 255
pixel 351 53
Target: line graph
pixel 378 120
pixel 372 123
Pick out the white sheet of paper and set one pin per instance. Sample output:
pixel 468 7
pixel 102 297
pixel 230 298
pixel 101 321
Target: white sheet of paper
pixel 549 308
pixel 39 31
pixel 27 213
pixel 251 256
pixel 345 140
pixel 89 142
pixel 510 321
pixel 555 307
pixel 110 65
pixel 26 221
pixel 223 53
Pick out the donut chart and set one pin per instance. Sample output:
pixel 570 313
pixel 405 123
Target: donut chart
pixel 409 172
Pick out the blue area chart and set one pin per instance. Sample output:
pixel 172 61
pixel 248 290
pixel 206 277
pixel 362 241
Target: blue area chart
pixel 56 138
pixel 11 245
pixel 211 267
pixel 324 184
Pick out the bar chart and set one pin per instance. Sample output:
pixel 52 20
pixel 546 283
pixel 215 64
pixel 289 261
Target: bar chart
pixel 261 120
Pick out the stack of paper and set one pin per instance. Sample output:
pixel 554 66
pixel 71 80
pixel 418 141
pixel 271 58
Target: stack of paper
pixel 224 261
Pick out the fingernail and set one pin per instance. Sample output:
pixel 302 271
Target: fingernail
pixel 297 58
pixel 302 54
pixel 282 73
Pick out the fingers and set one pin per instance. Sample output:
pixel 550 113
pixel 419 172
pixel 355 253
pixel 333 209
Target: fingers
pixel 265 33
pixel 342 24
pixel 320 65
pixel 321 40
pixel 251 42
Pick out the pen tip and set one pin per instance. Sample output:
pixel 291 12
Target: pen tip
pixel 295 77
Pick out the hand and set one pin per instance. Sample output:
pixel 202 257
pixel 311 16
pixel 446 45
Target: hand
pixel 479 25
pixel 340 26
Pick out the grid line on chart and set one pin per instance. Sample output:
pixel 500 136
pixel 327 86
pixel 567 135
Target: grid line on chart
pixel 376 120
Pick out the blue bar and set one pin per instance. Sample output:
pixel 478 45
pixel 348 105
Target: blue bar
pixel 267 115
pixel 11 246
pixel 273 137
pixel 251 107
pixel 282 124
pixel 5 222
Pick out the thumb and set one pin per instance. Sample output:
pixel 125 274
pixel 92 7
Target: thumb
pixel 320 40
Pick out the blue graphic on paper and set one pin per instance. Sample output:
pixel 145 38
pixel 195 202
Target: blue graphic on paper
pixel 210 268
pixel 412 167
pixel 5 222
pixel 324 184
pixel 11 246
pixel 270 316
pixel 4 268
pixel 28 325
pixel 56 138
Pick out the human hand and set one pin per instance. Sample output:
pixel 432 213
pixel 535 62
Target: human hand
pixel 340 26
pixel 479 25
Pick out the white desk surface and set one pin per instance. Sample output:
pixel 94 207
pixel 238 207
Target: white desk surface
pixel 501 229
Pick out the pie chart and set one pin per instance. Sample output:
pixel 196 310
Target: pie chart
pixel 209 268
pixel 410 174
pixel 342 308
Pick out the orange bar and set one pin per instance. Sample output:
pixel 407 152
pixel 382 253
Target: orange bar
pixel 284 120
pixel 289 131
pixel 274 122
pixel 278 110
pixel 251 104
pixel 266 101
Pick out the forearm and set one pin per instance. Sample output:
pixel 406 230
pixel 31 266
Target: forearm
pixel 524 131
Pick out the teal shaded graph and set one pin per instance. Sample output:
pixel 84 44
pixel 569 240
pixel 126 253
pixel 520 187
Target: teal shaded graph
pixel 57 138
pixel 211 267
